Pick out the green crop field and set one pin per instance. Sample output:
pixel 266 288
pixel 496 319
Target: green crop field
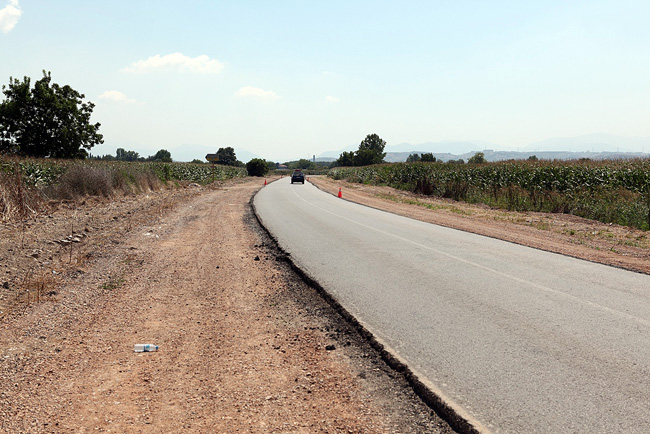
pixel 25 183
pixel 609 191
pixel 46 172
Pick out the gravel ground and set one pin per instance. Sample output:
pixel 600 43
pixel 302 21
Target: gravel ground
pixel 244 344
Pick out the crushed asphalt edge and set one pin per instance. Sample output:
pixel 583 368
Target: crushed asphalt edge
pixel 451 413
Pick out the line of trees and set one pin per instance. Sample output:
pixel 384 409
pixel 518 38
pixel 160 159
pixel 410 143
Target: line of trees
pixel 306 164
pixel 121 154
pixel 478 158
pixel 426 157
pixel 227 157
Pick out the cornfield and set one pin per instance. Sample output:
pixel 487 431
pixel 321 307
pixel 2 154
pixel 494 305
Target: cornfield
pixel 45 172
pixel 609 191
pixel 26 183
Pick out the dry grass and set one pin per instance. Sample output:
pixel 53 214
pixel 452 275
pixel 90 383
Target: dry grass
pixel 85 180
pixel 19 201
pixel 36 286
pixel 16 201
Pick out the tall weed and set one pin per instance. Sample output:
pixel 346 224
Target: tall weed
pixel 16 200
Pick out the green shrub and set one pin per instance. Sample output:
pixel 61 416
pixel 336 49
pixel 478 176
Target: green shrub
pixel 257 167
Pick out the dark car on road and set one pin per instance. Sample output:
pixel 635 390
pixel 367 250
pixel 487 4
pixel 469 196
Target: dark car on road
pixel 298 176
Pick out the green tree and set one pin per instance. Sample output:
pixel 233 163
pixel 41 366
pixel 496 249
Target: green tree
pixel 346 159
pixel 366 157
pixel 532 158
pixel 371 149
pixel 47 121
pixel 123 155
pixel 271 165
pixel 413 158
pixel 428 157
pixel 163 156
pixel 477 158
pixel 227 157
pixel 257 167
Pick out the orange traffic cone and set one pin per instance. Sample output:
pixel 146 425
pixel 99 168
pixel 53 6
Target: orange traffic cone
pixel 265 182
pixel 340 195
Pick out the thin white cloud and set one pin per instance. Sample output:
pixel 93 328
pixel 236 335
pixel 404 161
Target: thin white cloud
pixel 332 99
pixel 178 61
pixel 256 92
pixel 9 16
pixel 116 96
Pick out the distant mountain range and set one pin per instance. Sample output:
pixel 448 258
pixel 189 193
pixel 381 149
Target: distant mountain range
pixel 491 155
pixel 593 143
pixel 593 146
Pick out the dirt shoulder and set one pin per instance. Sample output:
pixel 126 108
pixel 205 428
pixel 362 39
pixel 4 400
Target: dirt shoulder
pixel 566 234
pixel 244 345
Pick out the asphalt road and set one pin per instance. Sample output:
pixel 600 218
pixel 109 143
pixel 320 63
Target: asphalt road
pixel 520 340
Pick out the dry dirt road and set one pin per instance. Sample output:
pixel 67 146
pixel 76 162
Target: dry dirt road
pixel 244 345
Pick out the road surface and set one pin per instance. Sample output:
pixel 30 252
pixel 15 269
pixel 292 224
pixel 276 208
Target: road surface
pixel 517 339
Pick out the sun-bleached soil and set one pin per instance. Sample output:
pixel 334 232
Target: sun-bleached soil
pixel 245 346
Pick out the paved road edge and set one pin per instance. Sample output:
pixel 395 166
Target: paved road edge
pixel 449 411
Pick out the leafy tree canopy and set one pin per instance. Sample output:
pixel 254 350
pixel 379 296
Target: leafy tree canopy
pixel 227 157
pixel 371 151
pixel 366 157
pixel 413 158
pixel 161 156
pixel 477 158
pixel 373 142
pixel 346 159
pixel 122 155
pixel 428 157
pixel 47 121
pixel 257 167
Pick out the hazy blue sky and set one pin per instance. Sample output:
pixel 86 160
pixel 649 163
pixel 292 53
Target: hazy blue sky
pixel 289 79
